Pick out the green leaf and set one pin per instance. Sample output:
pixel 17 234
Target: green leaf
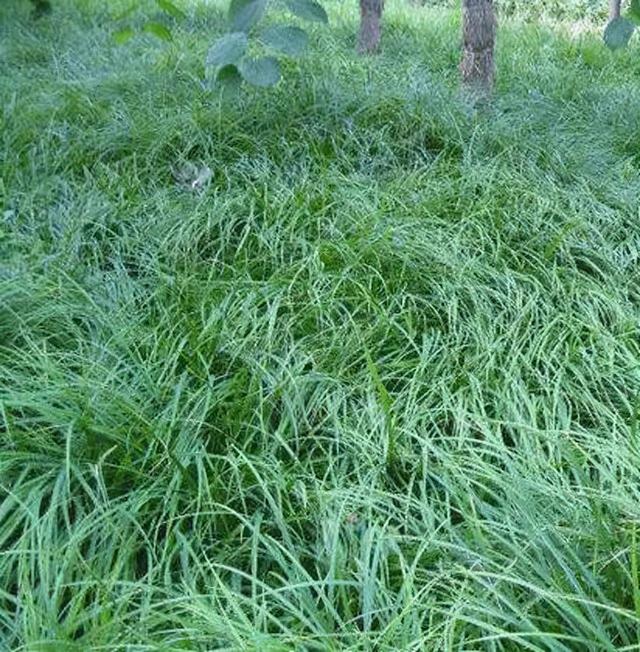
pixel 244 14
pixel 158 30
pixel 634 11
pixel 123 35
pixel 263 72
pixel 309 10
pixel 286 38
pixel 386 402
pixel 125 13
pixel 41 8
pixel 557 241
pixel 618 32
pixel 229 76
pixel 171 9
pixel 227 49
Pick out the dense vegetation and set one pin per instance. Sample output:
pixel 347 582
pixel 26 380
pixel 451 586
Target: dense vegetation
pixel 372 383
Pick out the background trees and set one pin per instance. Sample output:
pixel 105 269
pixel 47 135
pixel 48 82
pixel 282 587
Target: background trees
pixel 230 63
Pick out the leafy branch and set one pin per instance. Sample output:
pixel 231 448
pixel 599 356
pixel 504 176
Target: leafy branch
pixel 159 30
pixel 228 58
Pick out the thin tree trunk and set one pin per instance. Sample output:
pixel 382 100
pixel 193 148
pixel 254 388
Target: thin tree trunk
pixel 614 9
pixel 478 36
pixel 370 15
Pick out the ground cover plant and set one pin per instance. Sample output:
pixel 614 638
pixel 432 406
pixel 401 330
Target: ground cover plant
pixel 344 364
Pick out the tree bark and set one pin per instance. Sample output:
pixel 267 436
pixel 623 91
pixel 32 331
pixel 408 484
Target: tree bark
pixel 370 30
pixel 614 9
pixel 478 36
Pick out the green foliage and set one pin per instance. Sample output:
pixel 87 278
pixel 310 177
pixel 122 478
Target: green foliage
pixel 372 386
pixel 41 8
pixel 634 11
pixel 229 76
pixel 263 71
pixel 287 39
pixel 229 49
pixel 244 14
pixel 155 28
pixel 308 10
pixel 125 13
pixel 618 32
pixel 123 35
pixel 171 9
pixel 226 59
pixel 158 29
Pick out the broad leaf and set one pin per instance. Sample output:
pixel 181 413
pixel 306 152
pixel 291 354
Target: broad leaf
pixel 123 35
pixel 286 38
pixel 158 30
pixel 244 14
pixel 309 10
pixel 618 32
pixel 227 49
pixel 229 77
pixel 169 8
pixel 260 72
pixel 634 11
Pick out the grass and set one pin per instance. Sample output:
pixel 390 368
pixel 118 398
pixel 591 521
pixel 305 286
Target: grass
pixel 377 388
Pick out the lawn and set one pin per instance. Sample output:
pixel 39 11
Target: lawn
pixel 372 386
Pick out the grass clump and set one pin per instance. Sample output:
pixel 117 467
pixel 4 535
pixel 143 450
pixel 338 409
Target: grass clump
pixel 375 388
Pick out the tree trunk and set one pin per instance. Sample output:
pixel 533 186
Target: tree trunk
pixel 478 36
pixel 614 9
pixel 370 15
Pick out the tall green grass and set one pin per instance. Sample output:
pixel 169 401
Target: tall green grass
pixel 376 388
